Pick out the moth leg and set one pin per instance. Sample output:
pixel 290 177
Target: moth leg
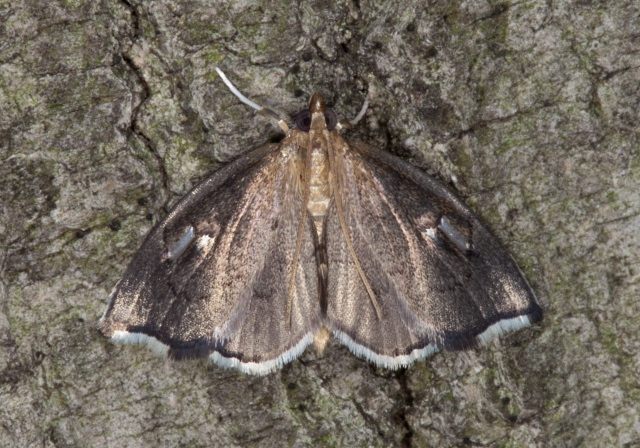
pixel 265 112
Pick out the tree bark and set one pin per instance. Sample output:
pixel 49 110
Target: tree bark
pixel 110 111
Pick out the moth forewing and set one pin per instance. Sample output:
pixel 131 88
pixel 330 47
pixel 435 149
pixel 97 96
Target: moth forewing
pixel 222 291
pixel 336 149
pixel 450 283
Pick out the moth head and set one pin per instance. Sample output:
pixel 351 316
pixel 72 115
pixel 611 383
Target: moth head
pixel 317 116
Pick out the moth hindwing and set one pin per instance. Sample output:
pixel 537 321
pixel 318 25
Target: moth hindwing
pixel 318 233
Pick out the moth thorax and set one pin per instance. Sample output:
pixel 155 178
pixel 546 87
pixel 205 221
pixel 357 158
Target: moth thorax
pixel 319 189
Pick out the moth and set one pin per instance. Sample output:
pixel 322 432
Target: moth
pixel 311 235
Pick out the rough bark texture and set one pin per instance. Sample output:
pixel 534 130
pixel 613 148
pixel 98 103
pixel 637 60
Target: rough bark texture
pixel 111 110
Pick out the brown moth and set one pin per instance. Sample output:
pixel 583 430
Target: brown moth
pixel 311 234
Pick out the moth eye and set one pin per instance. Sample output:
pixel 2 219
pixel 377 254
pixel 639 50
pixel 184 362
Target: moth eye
pixel 331 119
pixel 303 120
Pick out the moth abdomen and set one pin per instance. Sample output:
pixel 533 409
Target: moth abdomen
pixel 319 186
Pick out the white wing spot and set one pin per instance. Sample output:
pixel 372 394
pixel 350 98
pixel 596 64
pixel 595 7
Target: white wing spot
pixel 205 242
pixel 426 223
pixel 178 249
pixel 431 233
pixel 453 234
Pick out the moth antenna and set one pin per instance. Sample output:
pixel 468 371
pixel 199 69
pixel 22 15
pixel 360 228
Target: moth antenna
pixel 265 112
pixel 346 124
pixel 363 111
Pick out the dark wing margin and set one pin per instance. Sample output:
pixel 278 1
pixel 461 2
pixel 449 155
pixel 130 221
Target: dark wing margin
pixel 211 278
pixel 442 280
